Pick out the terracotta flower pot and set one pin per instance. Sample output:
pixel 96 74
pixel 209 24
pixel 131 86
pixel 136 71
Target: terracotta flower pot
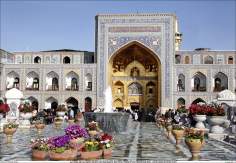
pixel 169 129
pixel 92 133
pixel 70 154
pixel 40 127
pixel 91 155
pixel 194 146
pixel 178 134
pixel 9 133
pixel 71 121
pixel 58 124
pixel 39 155
pixel 107 152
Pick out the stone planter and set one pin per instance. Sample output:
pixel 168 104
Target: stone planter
pixel 39 155
pixel 9 133
pixel 71 121
pixel 215 122
pixel 40 127
pixel 194 146
pixel 91 155
pixel 200 119
pixel 92 133
pixel 58 124
pixel 61 113
pixel 178 134
pixel 26 116
pixel 169 129
pixel 70 154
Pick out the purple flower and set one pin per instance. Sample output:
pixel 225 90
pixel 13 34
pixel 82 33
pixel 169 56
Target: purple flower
pixel 75 131
pixel 59 141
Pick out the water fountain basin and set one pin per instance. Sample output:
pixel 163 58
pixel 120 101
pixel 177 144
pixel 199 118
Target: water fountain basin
pixel 108 122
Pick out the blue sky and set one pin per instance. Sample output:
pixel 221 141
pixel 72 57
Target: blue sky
pixel 46 25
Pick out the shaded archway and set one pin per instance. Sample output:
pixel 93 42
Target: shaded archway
pixel 198 100
pixel 52 83
pixel 180 102
pixel 51 103
pixel 131 64
pixel 72 103
pixel 220 82
pixel 181 83
pixel 66 60
pixel 32 81
pixel 88 104
pixel 72 81
pixel 208 60
pixel 37 59
pixel 199 82
pixel 88 82
pixel 34 102
pixel 13 80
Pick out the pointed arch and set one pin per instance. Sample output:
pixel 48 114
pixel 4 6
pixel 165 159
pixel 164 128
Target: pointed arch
pixel 51 103
pixel 52 81
pixel 34 102
pixel 66 60
pixel 13 80
pixel 37 60
pixel 198 100
pixel 32 81
pixel 180 102
pixel 135 60
pixel 220 82
pixel 199 82
pixel 208 60
pixel 88 104
pixel 72 81
pixel 181 83
pixel 88 82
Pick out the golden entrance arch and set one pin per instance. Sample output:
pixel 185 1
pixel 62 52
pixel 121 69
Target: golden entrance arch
pixel 134 74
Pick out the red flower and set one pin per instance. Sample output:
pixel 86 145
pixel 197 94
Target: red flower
pixel 4 108
pixel 105 137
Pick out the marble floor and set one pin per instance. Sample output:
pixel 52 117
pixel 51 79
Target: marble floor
pixel 142 141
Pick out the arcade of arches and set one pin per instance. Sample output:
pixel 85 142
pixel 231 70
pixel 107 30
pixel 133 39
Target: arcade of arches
pixel 134 75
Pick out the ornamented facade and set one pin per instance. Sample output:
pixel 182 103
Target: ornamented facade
pixel 136 54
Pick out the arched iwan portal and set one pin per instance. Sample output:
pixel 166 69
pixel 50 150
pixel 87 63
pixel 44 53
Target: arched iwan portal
pixel 135 65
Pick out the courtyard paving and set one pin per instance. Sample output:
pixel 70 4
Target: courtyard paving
pixel 142 141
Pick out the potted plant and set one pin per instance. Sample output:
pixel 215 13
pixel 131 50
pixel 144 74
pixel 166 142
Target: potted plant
pixel 40 148
pixel 199 114
pixel 61 110
pixel 71 120
pixel 25 110
pixel 107 142
pixel 39 125
pixel 182 110
pixel 216 117
pixel 9 129
pixel 93 128
pixel 79 117
pixel 91 150
pixel 4 108
pixel 77 135
pixel 60 149
pixel 195 141
pixel 168 127
pixel 178 132
pixel 58 122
